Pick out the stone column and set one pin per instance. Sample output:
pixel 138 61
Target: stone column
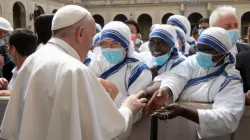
pixel 208 9
pixel 182 9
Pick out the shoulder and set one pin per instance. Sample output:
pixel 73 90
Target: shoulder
pixel 242 47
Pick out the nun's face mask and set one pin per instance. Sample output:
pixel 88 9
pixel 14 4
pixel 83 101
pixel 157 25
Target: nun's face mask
pixel 207 57
pixel 113 51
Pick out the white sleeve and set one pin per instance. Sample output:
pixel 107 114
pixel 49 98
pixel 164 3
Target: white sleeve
pixel 176 78
pixel 119 98
pixel 128 116
pixel 225 114
pixel 175 83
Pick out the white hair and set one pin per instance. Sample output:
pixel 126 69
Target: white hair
pixel 215 16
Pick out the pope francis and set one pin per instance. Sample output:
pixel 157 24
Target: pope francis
pixel 56 97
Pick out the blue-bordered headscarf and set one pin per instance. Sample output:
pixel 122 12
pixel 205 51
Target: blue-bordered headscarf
pixel 119 32
pixel 96 38
pixel 218 39
pixel 98 28
pixel 181 22
pixel 168 34
pixel 182 37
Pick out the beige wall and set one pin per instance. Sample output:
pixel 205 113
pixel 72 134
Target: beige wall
pixel 108 12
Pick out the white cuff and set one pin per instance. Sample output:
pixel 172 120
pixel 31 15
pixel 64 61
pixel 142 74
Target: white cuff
pixel 128 116
pixel 118 99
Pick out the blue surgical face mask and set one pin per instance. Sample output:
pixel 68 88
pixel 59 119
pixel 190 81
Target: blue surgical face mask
pixel 206 60
pixel 234 35
pixel 160 60
pixel 113 56
pixel 137 41
pixel 200 31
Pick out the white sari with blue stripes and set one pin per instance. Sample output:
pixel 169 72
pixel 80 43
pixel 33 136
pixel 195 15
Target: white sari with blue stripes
pixel 173 61
pixel 221 86
pixel 130 77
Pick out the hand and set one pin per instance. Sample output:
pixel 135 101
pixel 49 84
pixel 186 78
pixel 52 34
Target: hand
pixel 5 93
pixel 1 61
pixel 169 111
pixel 109 87
pixel 154 71
pixel 158 100
pixel 3 83
pixel 135 103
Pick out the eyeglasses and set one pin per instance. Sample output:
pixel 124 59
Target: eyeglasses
pixel 204 48
pixel 112 44
pixel 158 43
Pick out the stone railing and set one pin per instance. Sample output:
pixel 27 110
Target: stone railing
pixel 178 128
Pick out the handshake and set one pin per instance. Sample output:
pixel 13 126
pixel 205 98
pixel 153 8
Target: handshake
pixel 138 101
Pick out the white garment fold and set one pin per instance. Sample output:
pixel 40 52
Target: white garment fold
pixel 56 97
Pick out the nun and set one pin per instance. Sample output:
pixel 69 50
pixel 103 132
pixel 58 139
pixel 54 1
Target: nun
pixel 163 54
pixel 209 77
pixel 98 28
pixel 96 44
pixel 181 39
pixel 118 63
pixel 94 51
pixel 183 23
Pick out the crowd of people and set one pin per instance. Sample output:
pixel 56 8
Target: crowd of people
pixel 73 80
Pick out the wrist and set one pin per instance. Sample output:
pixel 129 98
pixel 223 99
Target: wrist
pixel 183 111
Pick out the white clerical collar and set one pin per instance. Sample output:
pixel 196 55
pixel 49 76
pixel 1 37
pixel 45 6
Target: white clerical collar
pixel 65 47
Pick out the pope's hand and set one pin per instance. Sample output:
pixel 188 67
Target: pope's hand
pixel 3 83
pixel 158 100
pixel 109 87
pixel 135 103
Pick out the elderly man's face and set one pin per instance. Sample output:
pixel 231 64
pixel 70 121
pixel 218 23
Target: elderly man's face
pixel 228 21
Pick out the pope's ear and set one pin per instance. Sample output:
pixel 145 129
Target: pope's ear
pixel 80 34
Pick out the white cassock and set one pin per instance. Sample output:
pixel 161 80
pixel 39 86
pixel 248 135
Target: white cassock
pixel 171 63
pixel 13 79
pixel 224 91
pixel 39 46
pixel 56 97
pixel 130 77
